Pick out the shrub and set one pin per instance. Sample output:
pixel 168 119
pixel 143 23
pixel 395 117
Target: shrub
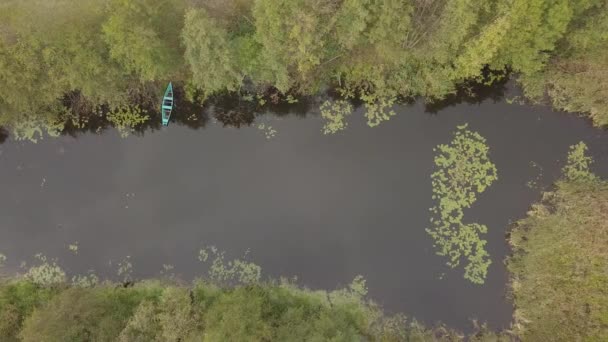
pixel 17 301
pixel 559 277
pixel 85 314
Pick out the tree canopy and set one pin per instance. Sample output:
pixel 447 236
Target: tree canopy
pixel 115 52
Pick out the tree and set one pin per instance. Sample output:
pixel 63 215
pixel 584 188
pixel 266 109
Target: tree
pixel 296 40
pixel 209 54
pixel 576 79
pixel 143 36
pixel 534 28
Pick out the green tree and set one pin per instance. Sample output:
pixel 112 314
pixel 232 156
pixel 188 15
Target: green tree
pixel 534 28
pixel 143 36
pixel 576 78
pixel 41 60
pixel 296 40
pixel 143 326
pixel 18 299
pixel 209 54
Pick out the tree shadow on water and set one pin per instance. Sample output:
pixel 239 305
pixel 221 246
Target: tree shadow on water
pixel 3 135
pixel 234 110
pixel 473 92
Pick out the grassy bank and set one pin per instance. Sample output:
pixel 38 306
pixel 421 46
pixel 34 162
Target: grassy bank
pixel 560 262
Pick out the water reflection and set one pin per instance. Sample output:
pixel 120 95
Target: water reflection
pixel 238 110
pixel 324 208
pixel 3 135
pixel 473 92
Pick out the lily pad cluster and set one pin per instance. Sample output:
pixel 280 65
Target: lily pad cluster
pixel 463 170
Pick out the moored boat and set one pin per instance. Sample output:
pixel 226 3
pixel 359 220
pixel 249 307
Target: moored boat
pixel 167 105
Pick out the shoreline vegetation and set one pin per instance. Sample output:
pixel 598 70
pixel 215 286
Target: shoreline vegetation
pixel 560 259
pixel 230 303
pixel 156 310
pixel 64 64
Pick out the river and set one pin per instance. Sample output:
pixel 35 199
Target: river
pixel 322 208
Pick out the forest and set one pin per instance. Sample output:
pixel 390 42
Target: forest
pixel 64 62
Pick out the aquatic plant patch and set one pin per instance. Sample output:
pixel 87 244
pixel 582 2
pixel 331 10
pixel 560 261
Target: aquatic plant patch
pixel 463 170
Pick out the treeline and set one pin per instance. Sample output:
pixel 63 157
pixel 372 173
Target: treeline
pixel 63 58
pixel 156 311
pixel 231 303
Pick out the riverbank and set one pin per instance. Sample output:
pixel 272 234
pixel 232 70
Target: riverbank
pixel 165 311
pixel 560 262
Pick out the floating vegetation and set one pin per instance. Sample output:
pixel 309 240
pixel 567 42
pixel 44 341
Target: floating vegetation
pixel 335 113
pixel 167 270
pixel 73 247
pixel 518 100
pixel 86 281
pixel 126 118
pixel 378 108
pixel 231 271
pixel 533 183
pixel 261 100
pixel 268 130
pixel 33 128
pixel 125 269
pixel 47 273
pixel 291 100
pixel 463 171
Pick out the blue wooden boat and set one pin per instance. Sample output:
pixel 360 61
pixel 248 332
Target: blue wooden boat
pixel 167 105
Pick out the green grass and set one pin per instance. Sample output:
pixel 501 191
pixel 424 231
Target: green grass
pixel 560 265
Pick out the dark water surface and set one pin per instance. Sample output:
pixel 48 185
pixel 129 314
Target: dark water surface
pixel 322 208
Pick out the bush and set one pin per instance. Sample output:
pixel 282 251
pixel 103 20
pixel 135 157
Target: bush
pixel 85 314
pixel 560 261
pixel 17 301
